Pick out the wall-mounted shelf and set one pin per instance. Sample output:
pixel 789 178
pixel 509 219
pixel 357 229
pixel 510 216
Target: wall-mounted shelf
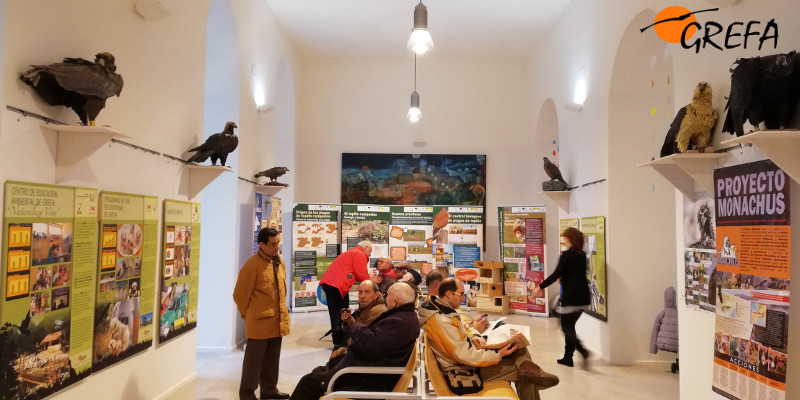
pixel 683 170
pixel 561 197
pixel 201 176
pixel 75 143
pixel 782 147
pixel 269 190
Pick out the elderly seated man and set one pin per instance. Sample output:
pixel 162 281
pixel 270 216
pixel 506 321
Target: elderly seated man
pixel 387 342
pixel 453 346
pixel 370 307
pixel 384 274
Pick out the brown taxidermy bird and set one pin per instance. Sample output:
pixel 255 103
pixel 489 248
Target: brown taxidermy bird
pixel 272 173
pixel 76 83
pixel 217 146
pixel 553 171
pixel 696 123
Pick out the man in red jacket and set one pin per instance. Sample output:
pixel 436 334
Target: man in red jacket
pixel 349 267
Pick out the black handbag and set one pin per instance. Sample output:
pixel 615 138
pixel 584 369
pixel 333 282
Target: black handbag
pixel 463 380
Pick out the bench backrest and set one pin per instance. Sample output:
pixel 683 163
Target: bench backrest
pixel 434 373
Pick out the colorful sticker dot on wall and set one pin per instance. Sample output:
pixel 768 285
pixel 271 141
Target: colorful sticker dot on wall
pixel 652 84
pixel 654 188
pixel 558 148
pixel 653 111
pixel 554 141
pixel 667 79
pixel 554 152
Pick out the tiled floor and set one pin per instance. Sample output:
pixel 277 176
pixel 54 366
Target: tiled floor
pixel 218 372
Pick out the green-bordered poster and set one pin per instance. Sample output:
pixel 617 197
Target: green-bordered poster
pixel 315 245
pixel 522 246
pixel 126 277
pixel 181 268
pixel 594 228
pixel 48 276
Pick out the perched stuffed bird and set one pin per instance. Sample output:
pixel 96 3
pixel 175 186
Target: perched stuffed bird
pixel 217 146
pixel 693 123
pixel 273 173
pixel 552 171
pixel 763 89
pixel 76 83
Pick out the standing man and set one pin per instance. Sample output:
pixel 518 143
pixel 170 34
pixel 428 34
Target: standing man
pixel 260 296
pixel 346 269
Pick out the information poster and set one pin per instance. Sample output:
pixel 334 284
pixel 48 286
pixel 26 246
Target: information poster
pixel 366 222
pixel 126 277
pixel 315 246
pixel 411 235
pixel 594 229
pixel 48 276
pixel 699 242
pixel 276 215
pixel 181 269
pixel 522 243
pixel 457 242
pixel 753 253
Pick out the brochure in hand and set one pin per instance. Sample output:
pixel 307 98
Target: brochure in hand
pixel 506 334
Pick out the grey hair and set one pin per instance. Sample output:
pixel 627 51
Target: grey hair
pixel 374 285
pixel 365 244
pixel 405 293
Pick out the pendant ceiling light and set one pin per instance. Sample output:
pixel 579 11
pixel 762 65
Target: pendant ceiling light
pixel 414 113
pixel 420 40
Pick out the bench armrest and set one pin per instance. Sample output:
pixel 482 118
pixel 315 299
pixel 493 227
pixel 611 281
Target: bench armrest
pixel 365 370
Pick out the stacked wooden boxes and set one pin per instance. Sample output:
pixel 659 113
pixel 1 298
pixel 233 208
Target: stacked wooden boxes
pixel 490 279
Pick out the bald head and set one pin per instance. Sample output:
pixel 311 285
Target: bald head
pixel 400 293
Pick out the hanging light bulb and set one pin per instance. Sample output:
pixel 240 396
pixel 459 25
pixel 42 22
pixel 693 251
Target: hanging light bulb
pixel 414 113
pixel 420 40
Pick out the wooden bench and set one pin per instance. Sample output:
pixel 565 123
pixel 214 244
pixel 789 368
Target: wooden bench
pixel 499 390
pixel 400 391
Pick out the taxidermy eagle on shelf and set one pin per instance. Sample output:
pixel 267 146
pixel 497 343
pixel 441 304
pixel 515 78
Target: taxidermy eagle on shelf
pixel 76 83
pixel 217 146
pixel 763 89
pixel 553 171
pixel 693 123
pixel 272 173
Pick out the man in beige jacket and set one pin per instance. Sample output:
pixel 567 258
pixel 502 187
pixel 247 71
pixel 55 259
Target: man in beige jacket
pixel 260 296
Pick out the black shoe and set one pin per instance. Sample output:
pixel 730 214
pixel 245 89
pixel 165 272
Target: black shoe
pixel 566 361
pixel 276 395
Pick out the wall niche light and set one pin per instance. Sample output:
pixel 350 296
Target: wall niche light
pixel 579 96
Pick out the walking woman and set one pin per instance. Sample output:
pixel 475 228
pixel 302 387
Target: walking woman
pixel 575 295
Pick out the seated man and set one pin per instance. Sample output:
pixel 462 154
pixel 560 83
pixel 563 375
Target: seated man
pixel 385 275
pixel 370 307
pixel 388 342
pixel 474 327
pixel 453 345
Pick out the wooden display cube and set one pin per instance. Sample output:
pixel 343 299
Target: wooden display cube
pixel 492 304
pixel 491 289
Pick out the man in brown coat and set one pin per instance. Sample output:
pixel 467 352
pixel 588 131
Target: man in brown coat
pixel 260 296
pixel 370 306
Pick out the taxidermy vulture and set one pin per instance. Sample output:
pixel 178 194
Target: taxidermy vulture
pixel 693 123
pixel 76 83
pixel 552 171
pixel 217 146
pixel 763 89
pixel 273 173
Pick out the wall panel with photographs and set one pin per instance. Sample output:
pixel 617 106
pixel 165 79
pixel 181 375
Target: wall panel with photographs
pixel 48 277
pixel 315 245
pixel 126 277
pixel 522 246
pixel 594 229
pixel 180 269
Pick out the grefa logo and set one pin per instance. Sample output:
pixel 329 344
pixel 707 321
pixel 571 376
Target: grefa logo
pixel 677 24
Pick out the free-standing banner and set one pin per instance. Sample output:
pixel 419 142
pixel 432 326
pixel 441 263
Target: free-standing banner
pixel 126 277
pixel 698 255
pixel 753 252
pixel 595 231
pixel 48 277
pixel 522 243
pixel 315 246
pixel 457 242
pixel 366 222
pixel 411 235
pixel 181 269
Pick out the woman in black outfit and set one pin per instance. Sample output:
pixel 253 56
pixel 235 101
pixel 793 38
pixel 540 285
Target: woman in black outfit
pixel 575 295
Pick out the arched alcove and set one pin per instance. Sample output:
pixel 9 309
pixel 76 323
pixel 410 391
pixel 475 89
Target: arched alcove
pixel 218 262
pixel 641 107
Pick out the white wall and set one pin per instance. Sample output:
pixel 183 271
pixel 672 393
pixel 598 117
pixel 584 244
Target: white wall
pixel 468 108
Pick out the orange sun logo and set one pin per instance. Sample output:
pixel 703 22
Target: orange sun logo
pixel 672 29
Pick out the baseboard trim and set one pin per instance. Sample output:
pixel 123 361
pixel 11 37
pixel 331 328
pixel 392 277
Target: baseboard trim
pixel 240 345
pixel 648 363
pixel 213 349
pixel 173 389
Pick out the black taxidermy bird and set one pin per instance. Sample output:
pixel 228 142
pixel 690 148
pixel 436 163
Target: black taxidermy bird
pixel 763 89
pixel 217 146
pixel 272 173
pixel 76 83
pixel 553 171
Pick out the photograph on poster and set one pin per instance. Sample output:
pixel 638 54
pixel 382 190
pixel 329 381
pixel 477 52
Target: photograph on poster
pixel 61 276
pixel 40 303
pixel 170 237
pixel 107 281
pixel 40 278
pixel 174 305
pixel 52 243
pixel 60 298
pixel 698 222
pixel 373 231
pixel 129 240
